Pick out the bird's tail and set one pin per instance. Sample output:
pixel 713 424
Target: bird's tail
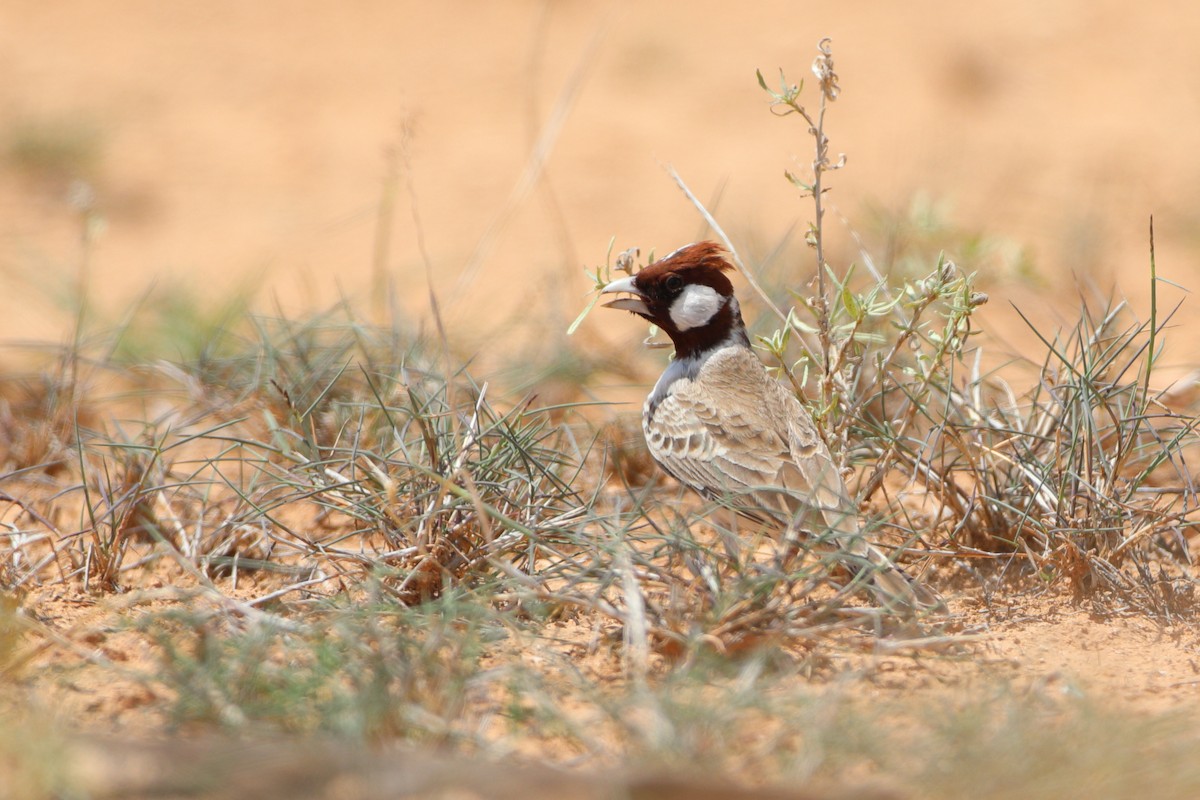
pixel 826 497
pixel 893 588
pixel 890 585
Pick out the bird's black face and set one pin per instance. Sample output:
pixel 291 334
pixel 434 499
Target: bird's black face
pixel 686 294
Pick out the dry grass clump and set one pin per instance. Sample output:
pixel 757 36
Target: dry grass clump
pixel 39 414
pixel 329 450
pixel 1082 475
pixel 1085 474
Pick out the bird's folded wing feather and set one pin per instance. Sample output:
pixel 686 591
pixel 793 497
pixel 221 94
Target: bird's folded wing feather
pixel 769 456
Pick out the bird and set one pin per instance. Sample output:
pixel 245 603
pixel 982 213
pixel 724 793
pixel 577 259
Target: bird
pixel 720 424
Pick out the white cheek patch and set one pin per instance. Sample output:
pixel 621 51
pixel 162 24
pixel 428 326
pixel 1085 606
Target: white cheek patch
pixel 696 306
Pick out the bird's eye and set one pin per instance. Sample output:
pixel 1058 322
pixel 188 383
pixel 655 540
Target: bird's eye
pixel 674 283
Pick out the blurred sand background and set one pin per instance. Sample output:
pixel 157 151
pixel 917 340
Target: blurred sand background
pixel 232 141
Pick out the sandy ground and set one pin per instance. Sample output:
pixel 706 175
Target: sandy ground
pixel 1042 646
pixel 229 141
